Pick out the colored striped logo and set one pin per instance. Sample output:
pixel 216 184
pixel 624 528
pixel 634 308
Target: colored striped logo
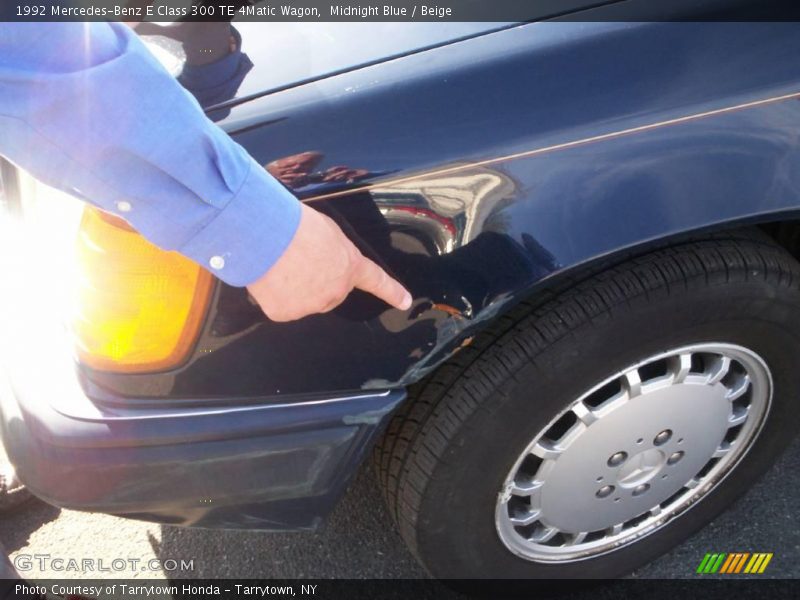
pixel 734 562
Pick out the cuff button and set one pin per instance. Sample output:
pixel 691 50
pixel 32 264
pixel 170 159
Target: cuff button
pixel 217 262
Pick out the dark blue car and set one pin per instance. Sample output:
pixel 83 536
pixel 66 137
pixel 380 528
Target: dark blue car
pixel 598 222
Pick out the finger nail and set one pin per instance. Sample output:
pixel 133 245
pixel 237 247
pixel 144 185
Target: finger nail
pixel 405 303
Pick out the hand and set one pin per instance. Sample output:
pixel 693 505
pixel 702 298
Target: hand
pixel 318 270
pixel 293 171
pixel 339 174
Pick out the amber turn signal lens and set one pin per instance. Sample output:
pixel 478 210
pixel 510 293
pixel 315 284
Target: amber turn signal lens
pixel 137 308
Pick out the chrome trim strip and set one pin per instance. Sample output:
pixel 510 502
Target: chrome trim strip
pixel 135 416
pixel 555 147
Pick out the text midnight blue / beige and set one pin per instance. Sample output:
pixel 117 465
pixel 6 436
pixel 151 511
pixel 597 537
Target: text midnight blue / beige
pixel 388 10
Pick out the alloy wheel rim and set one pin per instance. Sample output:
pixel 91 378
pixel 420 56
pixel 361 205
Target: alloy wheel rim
pixel 633 452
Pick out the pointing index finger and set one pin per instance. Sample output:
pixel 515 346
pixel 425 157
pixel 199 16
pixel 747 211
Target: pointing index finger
pixel 374 280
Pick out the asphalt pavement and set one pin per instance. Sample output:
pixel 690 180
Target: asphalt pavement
pixel 360 541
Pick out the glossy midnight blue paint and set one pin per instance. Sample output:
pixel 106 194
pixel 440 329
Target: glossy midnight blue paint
pixel 469 239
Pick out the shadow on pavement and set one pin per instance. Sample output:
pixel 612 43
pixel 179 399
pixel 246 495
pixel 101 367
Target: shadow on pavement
pixel 358 541
pixel 16 526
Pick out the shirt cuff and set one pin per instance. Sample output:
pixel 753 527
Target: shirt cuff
pixel 250 234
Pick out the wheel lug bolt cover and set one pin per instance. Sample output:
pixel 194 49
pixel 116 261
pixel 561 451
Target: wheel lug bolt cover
pixel 663 437
pixel 617 459
pixel 641 489
pixel 605 491
pixel 675 457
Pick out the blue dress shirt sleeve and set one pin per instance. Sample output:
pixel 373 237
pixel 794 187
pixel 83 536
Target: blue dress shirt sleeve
pixel 85 108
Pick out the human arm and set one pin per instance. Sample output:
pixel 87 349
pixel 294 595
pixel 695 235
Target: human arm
pixel 87 109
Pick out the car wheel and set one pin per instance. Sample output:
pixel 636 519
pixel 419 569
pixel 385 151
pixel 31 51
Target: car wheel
pixel 607 424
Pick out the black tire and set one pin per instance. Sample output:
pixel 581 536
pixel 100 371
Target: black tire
pixel 445 455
